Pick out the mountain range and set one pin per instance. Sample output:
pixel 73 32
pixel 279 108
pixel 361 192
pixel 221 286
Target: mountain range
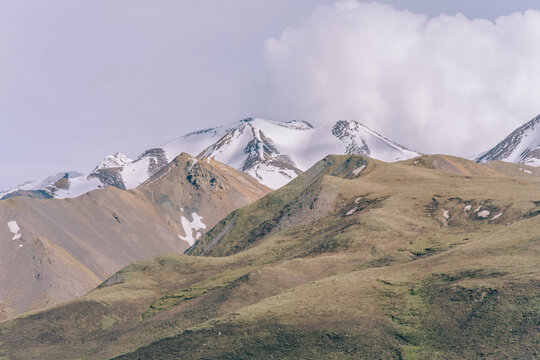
pixel 272 152
pixel 377 252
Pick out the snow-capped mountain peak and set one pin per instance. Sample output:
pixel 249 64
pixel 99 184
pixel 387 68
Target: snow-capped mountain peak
pixel 276 152
pixel 362 140
pixel 521 146
pixel 44 187
pixel 270 151
pixel 111 161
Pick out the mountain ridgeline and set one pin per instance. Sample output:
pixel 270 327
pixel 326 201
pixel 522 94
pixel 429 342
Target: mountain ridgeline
pixel 271 152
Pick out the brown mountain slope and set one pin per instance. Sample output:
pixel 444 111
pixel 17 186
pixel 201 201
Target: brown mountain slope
pixel 355 258
pixel 188 188
pixel 461 166
pixel 55 250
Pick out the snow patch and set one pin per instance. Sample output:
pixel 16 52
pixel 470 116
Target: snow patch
pixel 271 176
pixel 78 186
pixel 358 170
pixel 350 212
pixel 193 163
pixel 135 173
pixel 14 228
pixel 260 145
pixel 190 226
pixel 467 208
pixel 445 214
pixel 478 208
pixel 483 214
pixel 496 216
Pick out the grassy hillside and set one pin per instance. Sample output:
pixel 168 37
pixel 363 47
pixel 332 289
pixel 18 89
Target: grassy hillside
pixel 354 259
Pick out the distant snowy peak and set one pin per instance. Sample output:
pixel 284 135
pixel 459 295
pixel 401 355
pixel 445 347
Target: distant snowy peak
pixel 275 153
pixel 112 161
pixel 72 184
pixel 272 152
pixel 362 140
pixel 521 146
pixel 44 187
pixel 293 124
pixel 250 148
pixel 115 170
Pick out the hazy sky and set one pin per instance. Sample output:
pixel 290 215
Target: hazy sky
pixel 82 79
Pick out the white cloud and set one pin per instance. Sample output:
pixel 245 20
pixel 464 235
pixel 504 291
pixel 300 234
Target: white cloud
pixel 446 84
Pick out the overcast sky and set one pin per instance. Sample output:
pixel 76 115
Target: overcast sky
pixel 82 79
